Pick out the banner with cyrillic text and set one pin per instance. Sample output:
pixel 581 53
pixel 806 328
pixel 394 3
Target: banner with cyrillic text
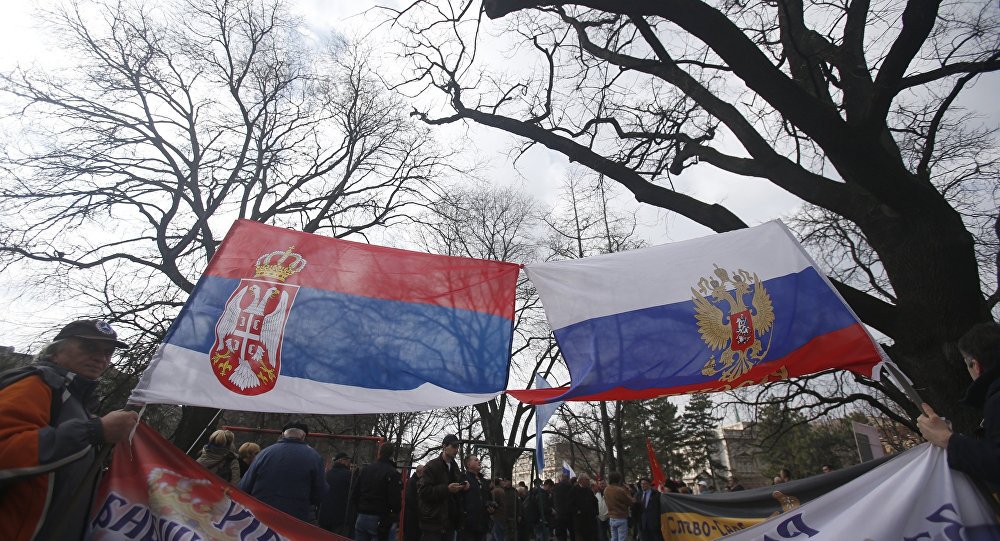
pixel 155 491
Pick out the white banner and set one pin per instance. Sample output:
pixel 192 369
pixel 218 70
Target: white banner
pixel 912 497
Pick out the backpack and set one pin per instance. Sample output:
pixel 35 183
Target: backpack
pixel 59 395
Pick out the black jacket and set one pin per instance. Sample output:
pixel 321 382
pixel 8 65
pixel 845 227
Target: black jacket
pixel 438 506
pixel 980 458
pixel 475 519
pixel 333 511
pixel 583 503
pixel 560 500
pixel 379 490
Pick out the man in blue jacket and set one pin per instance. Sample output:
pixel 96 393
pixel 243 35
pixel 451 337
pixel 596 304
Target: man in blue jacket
pixel 978 457
pixel 288 475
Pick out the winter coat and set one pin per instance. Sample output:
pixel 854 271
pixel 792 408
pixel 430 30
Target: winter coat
pixel 980 458
pixel 39 456
pixel 221 461
pixel 333 511
pixel 438 506
pixel 287 476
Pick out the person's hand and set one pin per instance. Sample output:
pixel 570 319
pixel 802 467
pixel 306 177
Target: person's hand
pixel 117 425
pixel 454 488
pixel 933 428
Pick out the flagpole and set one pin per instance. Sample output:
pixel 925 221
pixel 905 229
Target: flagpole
pixel 210 423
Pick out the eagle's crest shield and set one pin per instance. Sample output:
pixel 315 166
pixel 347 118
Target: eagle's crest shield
pixel 731 327
pixel 246 355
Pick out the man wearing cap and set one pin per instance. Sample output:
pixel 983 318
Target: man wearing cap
pixel 49 435
pixel 333 511
pixel 288 475
pixel 439 494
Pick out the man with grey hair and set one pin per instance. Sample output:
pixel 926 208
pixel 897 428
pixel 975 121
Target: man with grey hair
pixel 49 435
pixel 288 475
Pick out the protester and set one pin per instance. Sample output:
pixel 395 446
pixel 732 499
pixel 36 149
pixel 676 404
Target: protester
pixel 247 452
pixel 827 468
pixel 618 502
pixel 476 503
pixel 439 493
pixel 583 509
pixel 649 521
pixel 333 509
pixel 603 533
pixel 288 475
pixel 411 509
pixel 49 436
pixel 378 497
pixel 543 532
pixel 499 531
pixel 218 457
pixel 979 458
pixel 560 503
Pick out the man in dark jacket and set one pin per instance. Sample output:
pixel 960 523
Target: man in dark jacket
pixel 288 475
pixel 649 520
pixel 562 519
pixel 333 511
pixel 439 493
pixel 583 509
pixel 476 503
pixel 411 510
pixel 49 437
pixel 979 458
pixel 378 497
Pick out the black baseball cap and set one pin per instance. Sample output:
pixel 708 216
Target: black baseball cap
pixel 296 424
pixel 341 455
pixel 91 329
pixel 448 440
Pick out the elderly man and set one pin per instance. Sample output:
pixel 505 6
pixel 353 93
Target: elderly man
pixel 49 436
pixel 288 475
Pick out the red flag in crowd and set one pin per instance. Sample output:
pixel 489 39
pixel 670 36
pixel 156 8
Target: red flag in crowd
pixel 659 479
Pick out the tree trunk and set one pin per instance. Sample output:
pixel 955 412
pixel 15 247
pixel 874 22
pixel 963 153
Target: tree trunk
pixel 195 426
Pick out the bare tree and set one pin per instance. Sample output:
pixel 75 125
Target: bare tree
pixel 846 105
pixel 174 121
pixel 497 223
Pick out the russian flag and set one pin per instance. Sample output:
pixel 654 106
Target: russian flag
pixel 709 314
pixel 284 321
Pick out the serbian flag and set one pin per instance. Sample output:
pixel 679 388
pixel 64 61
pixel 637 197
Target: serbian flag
pixel 659 478
pixel 709 314
pixel 155 491
pixel 284 321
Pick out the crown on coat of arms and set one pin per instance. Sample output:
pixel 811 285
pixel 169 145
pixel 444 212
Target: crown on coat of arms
pixel 279 265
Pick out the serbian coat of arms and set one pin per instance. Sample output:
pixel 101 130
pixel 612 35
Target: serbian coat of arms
pixel 728 326
pixel 246 355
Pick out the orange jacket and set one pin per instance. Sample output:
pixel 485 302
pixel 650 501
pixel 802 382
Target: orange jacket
pixel 41 462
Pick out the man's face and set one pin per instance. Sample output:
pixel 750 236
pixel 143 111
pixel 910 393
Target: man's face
pixel 584 482
pixel 450 451
pixel 88 358
pixel 644 484
pixel 420 470
pixel 973 366
pixel 473 464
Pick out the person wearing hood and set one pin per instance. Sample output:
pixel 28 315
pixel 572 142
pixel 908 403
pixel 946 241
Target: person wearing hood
pixel 977 457
pixel 218 456
pixel 49 435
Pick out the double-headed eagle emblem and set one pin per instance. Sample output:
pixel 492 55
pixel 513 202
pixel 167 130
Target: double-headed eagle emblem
pixel 739 331
pixel 246 355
